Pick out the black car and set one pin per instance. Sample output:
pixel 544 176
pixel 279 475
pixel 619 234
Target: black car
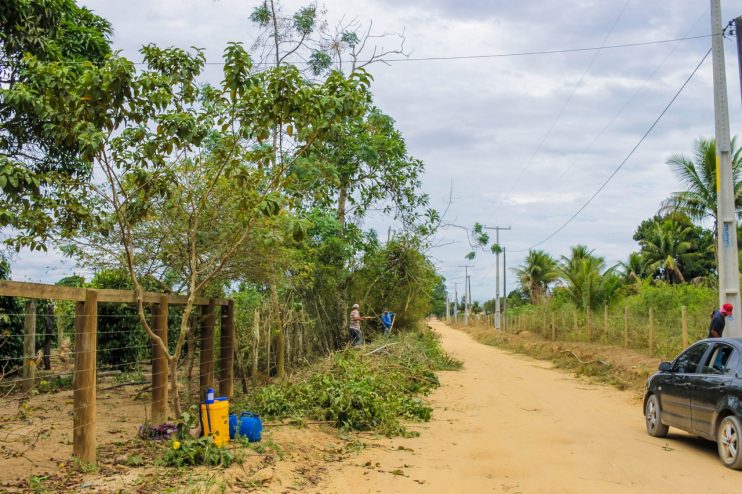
pixel 700 392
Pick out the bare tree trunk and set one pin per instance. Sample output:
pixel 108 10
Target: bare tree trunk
pixel 191 356
pixel 281 347
pixel 255 347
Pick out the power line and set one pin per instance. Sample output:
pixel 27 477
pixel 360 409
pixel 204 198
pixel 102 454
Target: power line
pixel 625 105
pixel 626 159
pixel 475 57
pixel 568 100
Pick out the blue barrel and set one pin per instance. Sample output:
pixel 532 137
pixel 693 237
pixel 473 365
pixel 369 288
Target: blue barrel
pixel 250 426
pixel 234 425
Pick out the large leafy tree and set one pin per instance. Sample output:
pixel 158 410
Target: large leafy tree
pixel 675 249
pixel 190 171
pixel 698 175
pixel 536 273
pixel 41 175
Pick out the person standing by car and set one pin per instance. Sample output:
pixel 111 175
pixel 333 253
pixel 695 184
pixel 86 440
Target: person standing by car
pixel 718 321
pixel 356 336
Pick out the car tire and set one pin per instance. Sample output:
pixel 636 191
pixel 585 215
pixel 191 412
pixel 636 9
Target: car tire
pixel 728 442
pixel 653 418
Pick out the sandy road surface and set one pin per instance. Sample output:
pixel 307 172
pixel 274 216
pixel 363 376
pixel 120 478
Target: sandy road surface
pixel 507 423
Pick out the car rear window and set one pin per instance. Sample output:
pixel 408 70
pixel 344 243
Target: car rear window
pixel 688 361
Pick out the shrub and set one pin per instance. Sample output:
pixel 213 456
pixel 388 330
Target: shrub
pixel 362 392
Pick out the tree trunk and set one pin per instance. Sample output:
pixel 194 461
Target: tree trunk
pixel 281 347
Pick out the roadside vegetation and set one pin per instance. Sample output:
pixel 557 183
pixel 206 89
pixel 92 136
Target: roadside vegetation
pixel 372 388
pixel 637 303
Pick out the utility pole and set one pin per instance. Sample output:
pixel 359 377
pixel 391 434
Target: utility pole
pixel 738 36
pixel 504 290
pixel 497 272
pixel 725 209
pixel 456 302
pixel 448 306
pixel 466 298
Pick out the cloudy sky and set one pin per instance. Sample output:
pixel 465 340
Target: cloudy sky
pixel 520 141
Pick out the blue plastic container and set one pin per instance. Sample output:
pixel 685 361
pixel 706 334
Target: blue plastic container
pixel 247 425
pixel 234 425
pixel 250 426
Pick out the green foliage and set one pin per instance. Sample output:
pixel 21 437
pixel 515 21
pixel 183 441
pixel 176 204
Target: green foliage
pixel 40 175
pixel 11 326
pixel 363 392
pixel 185 450
pixel 538 271
pixel 261 15
pixel 396 277
pixel 698 174
pixel 588 282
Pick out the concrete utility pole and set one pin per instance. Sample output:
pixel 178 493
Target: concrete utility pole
pixel 725 209
pixel 504 290
pixel 448 306
pixel 738 36
pixel 497 272
pixel 456 302
pixel 466 297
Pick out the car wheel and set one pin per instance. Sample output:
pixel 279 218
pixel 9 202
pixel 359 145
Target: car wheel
pixel 652 416
pixel 728 442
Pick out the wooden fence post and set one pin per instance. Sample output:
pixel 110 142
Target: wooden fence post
pixel 255 347
pixel 651 332
pixel 543 314
pixel 605 323
pixel 589 317
pixel 553 328
pixel 226 353
pixel 29 347
pixel 83 422
pixel 685 326
pixel 159 362
pixel 626 327
pixel 206 361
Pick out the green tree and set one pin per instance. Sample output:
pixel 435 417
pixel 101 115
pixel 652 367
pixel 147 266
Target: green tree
pixel 634 268
pixel 189 170
pixel 587 281
pixel 536 273
pixel 698 175
pixel 11 327
pixel 674 248
pixel 40 174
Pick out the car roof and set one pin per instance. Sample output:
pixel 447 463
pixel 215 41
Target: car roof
pixel 735 342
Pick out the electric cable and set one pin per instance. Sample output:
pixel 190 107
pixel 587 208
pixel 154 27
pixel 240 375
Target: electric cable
pixel 625 160
pixel 558 117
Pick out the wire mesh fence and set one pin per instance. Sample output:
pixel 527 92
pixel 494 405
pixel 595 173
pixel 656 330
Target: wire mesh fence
pixel 662 333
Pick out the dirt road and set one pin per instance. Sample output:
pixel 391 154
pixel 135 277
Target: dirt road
pixel 507 423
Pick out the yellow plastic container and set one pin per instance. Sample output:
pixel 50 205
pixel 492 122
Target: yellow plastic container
pixel 215 421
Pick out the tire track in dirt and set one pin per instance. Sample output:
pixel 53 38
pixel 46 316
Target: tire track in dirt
pixel 508 423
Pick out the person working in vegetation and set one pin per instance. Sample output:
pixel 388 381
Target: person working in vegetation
pixel 356 336
pixel 387 320
pixel 718 321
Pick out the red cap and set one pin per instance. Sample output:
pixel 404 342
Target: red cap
pixel 727 308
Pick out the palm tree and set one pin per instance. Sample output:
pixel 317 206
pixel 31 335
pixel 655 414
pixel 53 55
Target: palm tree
pixel 634 268
pixel 585 276
pixel 667 250
pixel 698 174
pixel 536 273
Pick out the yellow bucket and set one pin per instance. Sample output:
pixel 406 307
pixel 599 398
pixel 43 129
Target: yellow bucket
pixel 215 421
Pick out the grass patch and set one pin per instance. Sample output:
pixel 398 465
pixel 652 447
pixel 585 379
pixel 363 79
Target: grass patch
pixel 618 367
pixel 363 389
